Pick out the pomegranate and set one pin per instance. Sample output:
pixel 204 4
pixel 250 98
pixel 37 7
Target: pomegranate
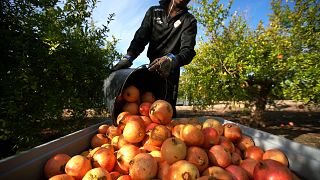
pixel 102 129
pixel 148 96
pixel 173 150
pixel 146 120
pixel 117 168
pixel 121 118
pixel 270 169
pixel 182 170
pixel 91 152
pixel 237 172
pixel 131 93
pixel 217 173
pixel 134 131
pixel 151 126
pixel 98 140
pixel 254 152
pixel 161 112
pixel 232 132
pixel 114 142
pixel 276 154
pixel 219 156
pixel 78 166
pixel 227 143
pixel 148 144
pixel 61 177
pixel 131 107
pixel 143 166
pixel 109 147
pixel 176 130
pixel 191 135
pixel 211 137
pixel 198 157
pixel 214 124
pixel 121 141
pixel 144 108
pixel 114 175
pixel 97 173
pixel 163 170
pixel 159 134
pixel 125 154
pixel 248 165
pixel 55 165
pixel 114 131
pixel 104 158
pixel 245 142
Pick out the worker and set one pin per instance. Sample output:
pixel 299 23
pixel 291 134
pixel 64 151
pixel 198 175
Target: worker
pixel 170 29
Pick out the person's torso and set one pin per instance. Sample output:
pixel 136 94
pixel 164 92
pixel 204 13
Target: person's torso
pixel 166 32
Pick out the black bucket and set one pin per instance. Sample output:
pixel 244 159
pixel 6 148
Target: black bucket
pixel 140 77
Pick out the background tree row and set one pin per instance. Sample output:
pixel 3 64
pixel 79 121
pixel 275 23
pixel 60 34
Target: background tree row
pixel 237 62
pixel 53 57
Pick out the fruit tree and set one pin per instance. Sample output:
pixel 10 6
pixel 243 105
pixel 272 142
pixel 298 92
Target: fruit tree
pixel 237 62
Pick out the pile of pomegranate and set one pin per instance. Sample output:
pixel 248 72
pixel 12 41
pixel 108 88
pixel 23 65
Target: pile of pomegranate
pixel 149 144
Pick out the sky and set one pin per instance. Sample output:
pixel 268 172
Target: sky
pixel 129 15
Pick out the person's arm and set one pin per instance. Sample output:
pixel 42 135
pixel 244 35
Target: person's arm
pixel 188 42
pixel 137 45
pixel 166 64
pixel 142 36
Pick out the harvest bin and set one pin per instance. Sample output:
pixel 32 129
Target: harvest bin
pixel 140 77
pixel 303 160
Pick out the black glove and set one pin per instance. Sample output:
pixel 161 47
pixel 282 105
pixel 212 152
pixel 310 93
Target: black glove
pixel 163 65
pixel 125 62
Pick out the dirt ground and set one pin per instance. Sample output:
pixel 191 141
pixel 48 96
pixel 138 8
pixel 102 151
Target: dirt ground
pixel 291 120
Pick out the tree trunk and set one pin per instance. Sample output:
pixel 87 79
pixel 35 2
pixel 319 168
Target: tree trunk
pixel 257 110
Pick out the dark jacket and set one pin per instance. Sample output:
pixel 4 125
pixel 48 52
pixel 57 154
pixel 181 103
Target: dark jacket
pixel 165 35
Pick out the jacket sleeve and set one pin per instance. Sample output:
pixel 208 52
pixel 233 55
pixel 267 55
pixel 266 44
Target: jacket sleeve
pixel 188 42
pixel 142 35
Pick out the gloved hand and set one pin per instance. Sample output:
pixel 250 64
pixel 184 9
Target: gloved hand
pixel 125 62
pixel 163 65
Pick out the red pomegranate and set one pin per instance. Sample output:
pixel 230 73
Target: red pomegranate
pixel 161 112
pixel 198 157
pixel 219 156
pixel 183 169
pixel 55 165
pixel 254 152
pixel 245 142
pixel 270 169
pixel 237 172
pixel 232 131
pixel 211 137
pixel 276 154
pixel 191 135
pixel 248 165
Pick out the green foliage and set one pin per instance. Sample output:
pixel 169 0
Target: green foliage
pixel 53 57
pixel 211 15
pixel 236 62
pixel 302 25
